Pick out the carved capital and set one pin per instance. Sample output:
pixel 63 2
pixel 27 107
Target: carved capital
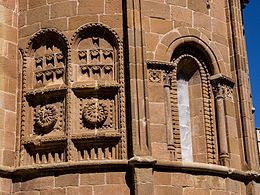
pixel 222 86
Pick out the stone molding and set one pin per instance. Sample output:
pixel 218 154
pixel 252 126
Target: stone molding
pixel 172 166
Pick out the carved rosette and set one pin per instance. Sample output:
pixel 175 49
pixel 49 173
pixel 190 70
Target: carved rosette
pixel 155 76
pixel 95 113
pixel 46 116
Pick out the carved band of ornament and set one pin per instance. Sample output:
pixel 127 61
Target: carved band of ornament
pixel 39 140
pixel 95 112
pixel 105 85
pixel 89 55
pixel 161 65
pixel 46 116
pixel 46 89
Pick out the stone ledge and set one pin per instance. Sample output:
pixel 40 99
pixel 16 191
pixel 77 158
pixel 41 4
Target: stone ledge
pixel 171 166
pixel 209 169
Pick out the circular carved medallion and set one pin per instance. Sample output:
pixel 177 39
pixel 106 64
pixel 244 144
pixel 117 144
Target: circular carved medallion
pixel 46 116
pixel 95 113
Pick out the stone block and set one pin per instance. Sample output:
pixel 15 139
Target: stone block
pixel 151 9
pixel 8 4
pixel 113 7
pixel 115 178
pixel 41 183
pixel 160 151
pixel 8 33
pixel 177 2
pixel 232 186
pixel 8 158
pixel 202 20
pixel 6 16
pixel 89 7
pixel 198 6
pixel 63 9
pixel 58 191
pixel 9 140
pixel 113 21
pixel 156 108
pixel 181 14
pixel 28 30
pixel 22 5
pixel 77 21
pixel 194 191
pixel 152 40
pixel 111 189
pixel 92 179
pixel 158 133
pixel 182 179
pixel 67 180
pixel 156 93
pixel 160 190
pixel 2 118
pixel 29 193
pixel 219 27
pixel 60 24
pixel 161 26
pixel 162 178
pixel 36 3
pixel 37 15
pixel 219 192
pixel 8 101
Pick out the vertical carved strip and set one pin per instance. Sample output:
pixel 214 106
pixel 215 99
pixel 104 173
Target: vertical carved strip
pixel 122 102
pixel 175 115
pixel 23 111
pixel 70 145
pixel 208 116
pixel 168 114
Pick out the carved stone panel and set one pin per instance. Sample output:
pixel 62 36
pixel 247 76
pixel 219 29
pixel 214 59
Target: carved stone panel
pixel 49 68
pixel 96 59
pixel 97 113
pixel 48 118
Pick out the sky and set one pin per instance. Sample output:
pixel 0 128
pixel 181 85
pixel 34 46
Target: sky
pixel 252 34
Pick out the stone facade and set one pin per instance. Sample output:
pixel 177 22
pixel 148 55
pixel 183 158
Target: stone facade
pixel 143 97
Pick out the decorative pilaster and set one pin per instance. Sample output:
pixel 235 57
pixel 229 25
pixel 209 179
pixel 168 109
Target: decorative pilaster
pixel 159 72
pixel 222 87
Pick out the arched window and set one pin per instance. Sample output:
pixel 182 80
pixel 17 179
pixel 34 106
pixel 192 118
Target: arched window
pixel 195 105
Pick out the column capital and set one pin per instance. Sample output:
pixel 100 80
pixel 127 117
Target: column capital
pixel 222 86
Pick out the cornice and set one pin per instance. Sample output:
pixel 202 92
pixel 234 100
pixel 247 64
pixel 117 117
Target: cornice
pixel 157 165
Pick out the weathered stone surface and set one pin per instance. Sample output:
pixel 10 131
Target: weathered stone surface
pixel 78 98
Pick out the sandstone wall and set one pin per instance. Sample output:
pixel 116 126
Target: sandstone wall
pixel 150 35
pixel 74 183
pixel 8 88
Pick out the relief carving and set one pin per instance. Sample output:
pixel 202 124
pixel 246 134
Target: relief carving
pixel 95 113
pixel 54 95
pixel 96 58
pixel 155 76
pixel 46 116
pixel 49 68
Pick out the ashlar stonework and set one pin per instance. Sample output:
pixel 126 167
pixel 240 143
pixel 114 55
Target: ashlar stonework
pixel 137 97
